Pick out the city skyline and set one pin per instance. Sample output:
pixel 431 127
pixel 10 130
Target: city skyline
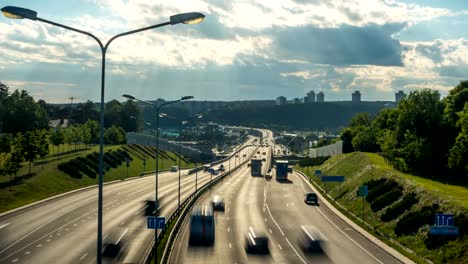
pixel 242 51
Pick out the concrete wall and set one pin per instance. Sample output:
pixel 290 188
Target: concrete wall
pixel 330 150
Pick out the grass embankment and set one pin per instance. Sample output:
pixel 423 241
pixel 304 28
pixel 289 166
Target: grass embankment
pixel 359 168
pixel 46 180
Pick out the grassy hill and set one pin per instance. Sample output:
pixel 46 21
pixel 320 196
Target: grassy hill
pixel 400 207
pixel 47 180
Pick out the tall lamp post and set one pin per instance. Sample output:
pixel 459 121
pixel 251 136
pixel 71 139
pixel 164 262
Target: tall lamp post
pixel 20 13
pixel 181 122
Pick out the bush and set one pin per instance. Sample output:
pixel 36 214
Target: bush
pixel 90 163
pixel 373 183
pixel 110 160
pixel 400 207
pixel 386 199
pixel 381 189
pixel 83 168
pixel 411 222
pixel 70 169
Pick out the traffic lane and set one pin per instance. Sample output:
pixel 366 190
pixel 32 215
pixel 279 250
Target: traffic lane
pixel 378 254
pixel 221 251
pixel 44 236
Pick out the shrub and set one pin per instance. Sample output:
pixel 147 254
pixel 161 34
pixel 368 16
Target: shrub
pixel 381 189
pixel 83 167
pixel 70 169
pixel 373 183
pixel 93 165
pixel 400 207
pixel 411 222
pixel 109 160
pixel 386 199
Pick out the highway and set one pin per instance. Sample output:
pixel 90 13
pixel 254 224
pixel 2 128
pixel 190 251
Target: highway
pixel 278 209
pixel 63 230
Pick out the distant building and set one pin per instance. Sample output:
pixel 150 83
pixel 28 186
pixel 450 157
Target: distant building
pixel 280 100
pixel 399 96
pixel 296 101
pixel 309 98
pixel 356 97
pixel 320 97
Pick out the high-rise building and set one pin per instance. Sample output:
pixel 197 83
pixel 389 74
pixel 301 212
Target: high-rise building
pixel 280 100
pixel 399 96
pixel 296 101
pixel 320 97
pixel 310 97
pixel 356 97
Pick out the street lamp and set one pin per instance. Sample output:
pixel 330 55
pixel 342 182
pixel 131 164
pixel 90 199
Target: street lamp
pixel 181 122
pixel 186 18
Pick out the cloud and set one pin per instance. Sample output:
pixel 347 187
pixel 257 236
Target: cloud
pixel 341 46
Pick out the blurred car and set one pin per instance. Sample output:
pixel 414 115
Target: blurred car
pixel 152 207
pixel 202 226
pixel 218 203
pixel 310 239
pixel 311 198
pixel 115 246
pixel 256 242
pixel 221 167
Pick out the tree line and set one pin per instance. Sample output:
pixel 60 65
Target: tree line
pixel 424 134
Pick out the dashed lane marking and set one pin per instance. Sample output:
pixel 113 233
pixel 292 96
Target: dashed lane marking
pixel 3 225
pixel 84 256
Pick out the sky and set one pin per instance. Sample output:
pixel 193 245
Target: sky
pixel 243 50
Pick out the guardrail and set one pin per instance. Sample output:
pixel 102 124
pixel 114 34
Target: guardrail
pixel 180 213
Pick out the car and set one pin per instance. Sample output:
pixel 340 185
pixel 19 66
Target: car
pixel 256 242
pixel 174 168
pixel 115 245
pixel 202 226
pixel 311 198
pixel 152 208
pixel 221 167
pixel 310 239
pixel 218 203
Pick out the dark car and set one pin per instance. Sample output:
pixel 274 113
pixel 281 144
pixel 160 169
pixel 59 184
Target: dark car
pixel 114 245
pixel 152 208
pixel 311 198
pixel 256 242
pixel 311 240
pixel 218 203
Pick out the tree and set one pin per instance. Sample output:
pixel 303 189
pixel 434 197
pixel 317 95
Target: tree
pixel 93 127
pixel 114 135
pixel 131 109
pixel 5 143
pixel 43 144
pixel 366 140
pixel 113 113
pixel 458 154
pixel 29 147
pixel 56 138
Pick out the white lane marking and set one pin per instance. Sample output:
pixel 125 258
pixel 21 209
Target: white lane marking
pixel 15 260
pixel 339 229
pixel 39 245
pixel 105 236
pixel 2 226
pixel 230 245
pixel 141 210
pixel 66 229
pixel 271 232
pixel 48 234
pixel 27 252
pixel 228 229
pixel 123 223
pixel 274 220
pixel 280 247
pixel 287 240
pixel 84 256
pixel 265 219
pixel 75 224
pixel 48 240
pixel 227 218
pixel 58 234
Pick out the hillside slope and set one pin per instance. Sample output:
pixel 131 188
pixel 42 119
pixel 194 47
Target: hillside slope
pixel 400 207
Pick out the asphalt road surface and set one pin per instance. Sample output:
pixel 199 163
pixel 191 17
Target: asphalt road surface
pixel 64 230
pixel 279 210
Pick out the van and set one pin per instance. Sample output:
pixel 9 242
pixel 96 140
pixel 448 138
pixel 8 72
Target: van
pixel 174 168
pixel 202 226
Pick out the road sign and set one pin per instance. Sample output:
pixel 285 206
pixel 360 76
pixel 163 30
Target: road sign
pixel 363 190
pixel 333 178
pixel 444 220
pixel 318 172
pixel 155 222
pixel 444 230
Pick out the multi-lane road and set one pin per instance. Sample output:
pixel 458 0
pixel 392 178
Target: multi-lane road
pixel 63 230
pixel 279 210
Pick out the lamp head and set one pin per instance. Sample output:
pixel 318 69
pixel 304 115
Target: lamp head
pixel 18 13
pixel 186 98
pixel 187 18
pixel 128 96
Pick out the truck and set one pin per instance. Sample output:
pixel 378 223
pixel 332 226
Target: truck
pixel 256 167
pixel 281 170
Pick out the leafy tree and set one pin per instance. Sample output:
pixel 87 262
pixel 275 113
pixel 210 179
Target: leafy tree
pixel 361 119
pixel 347 137
pixel 56 138
pixel 113 113
pixel 29 146
pixel 455 102
pixel 366 140
pixel 131 109
pixel 5 143
pixel 93 127
pixel 458 154
pixel 114 135
pixel 43 144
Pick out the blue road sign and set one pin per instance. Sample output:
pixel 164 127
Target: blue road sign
pixel 444 219
pixel 333 178
pixel 363 190
pixel 444 230
pixel 318 172
pixel 155 222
